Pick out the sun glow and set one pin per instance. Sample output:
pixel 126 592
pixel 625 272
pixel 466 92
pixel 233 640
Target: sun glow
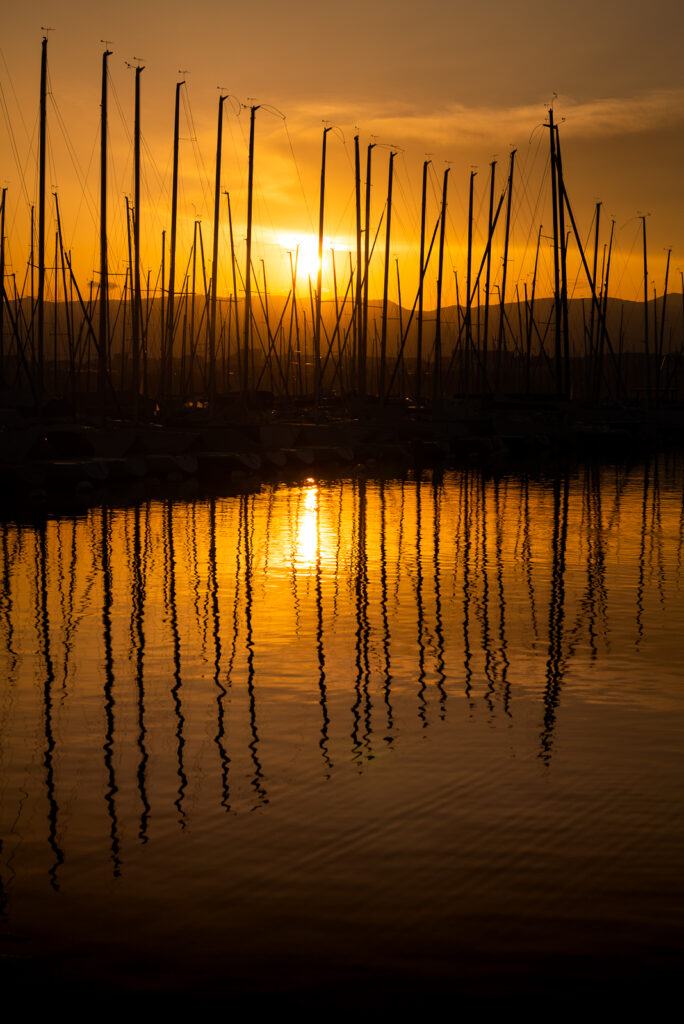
pixel 304 252
pixel 307 544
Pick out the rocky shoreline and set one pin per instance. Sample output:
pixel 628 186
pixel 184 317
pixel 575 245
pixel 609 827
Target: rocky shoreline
pixel 52 462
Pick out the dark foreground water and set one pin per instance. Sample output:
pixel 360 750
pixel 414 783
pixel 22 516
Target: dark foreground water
pixel 354 743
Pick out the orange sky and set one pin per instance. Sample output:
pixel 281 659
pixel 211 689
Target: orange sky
pixel 463 86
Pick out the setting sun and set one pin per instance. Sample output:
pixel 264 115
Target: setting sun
pixel 304 249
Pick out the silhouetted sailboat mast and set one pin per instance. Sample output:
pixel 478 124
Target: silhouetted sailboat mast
pixel 388 226
pixel 421 274
pixel 319 274
pixel 556 262
pixel 137 296
pixel 358 316
pixel 469 286
pixel 564 269
pixel 167 356
pixel 488 274
pixel 248 259
pixel 437 378
pixel 646 345
pixel 103 334
pixel 356 350
pixel 41 218
pixel 507 235
pixel 3 208
pixel 366 272
pixel 214 258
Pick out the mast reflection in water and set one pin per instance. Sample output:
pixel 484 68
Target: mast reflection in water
pixel 414 733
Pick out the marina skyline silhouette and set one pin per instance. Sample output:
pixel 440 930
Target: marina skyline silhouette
pixel 342 507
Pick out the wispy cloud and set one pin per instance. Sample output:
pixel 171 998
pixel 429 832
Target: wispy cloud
pixel 460 125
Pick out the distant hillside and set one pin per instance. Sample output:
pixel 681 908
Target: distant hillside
pixel 625 324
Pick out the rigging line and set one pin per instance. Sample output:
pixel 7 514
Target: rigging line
pixel 154 219
pixel 52 168
pixel 457 201
pixel 263 209
pixel 348 155
pixel 13 144
pixel 435 183
pixel 461 246
pixel 479 235
pixel 238 159
pixel 14 93
pixel 522 194
pixel 301 183
pixel 150 161
pixel 204 175
pixel 197 152
pixel 534 215
pixel 413 198
pixel 579 265
pixel 524 177
pixel 637 234
pixel 414 217
pixel 86 194
pixel 408 210
pixel 114 93
pixel 526 164
pixel 342 216
pixel 115 231
pixel 521 189
pixel 163 194
pixel 573 289
pixel 82 180
pixel 31 159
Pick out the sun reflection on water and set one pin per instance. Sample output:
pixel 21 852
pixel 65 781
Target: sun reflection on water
pixel 306 547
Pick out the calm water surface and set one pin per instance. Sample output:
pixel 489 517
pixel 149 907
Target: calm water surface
pixel 353 740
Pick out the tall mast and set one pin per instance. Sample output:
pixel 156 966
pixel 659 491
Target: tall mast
pixel 32 260
pixel 646 347
pixel 595 268
pixel 248 267
pixel 556 268
pixel 41 216
pixel 214 256
pixel 530 323
pixel 170 311
pixel 419 350
pixel 469 298
pixel 137 298
pixel 402 382
pixel 564 269
pixel 437 377
pixel 162 317
pixel 358 325
pixel 103 347
pixel 505 256
pixel 383 337
pixel 603 308
pixel 193 339
pixel 2 286
pixel 319 276
pixel 366 268
pixel 293 271
pixel 488 276
pixel 67 304
pixel 662 320
pixel 235 296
